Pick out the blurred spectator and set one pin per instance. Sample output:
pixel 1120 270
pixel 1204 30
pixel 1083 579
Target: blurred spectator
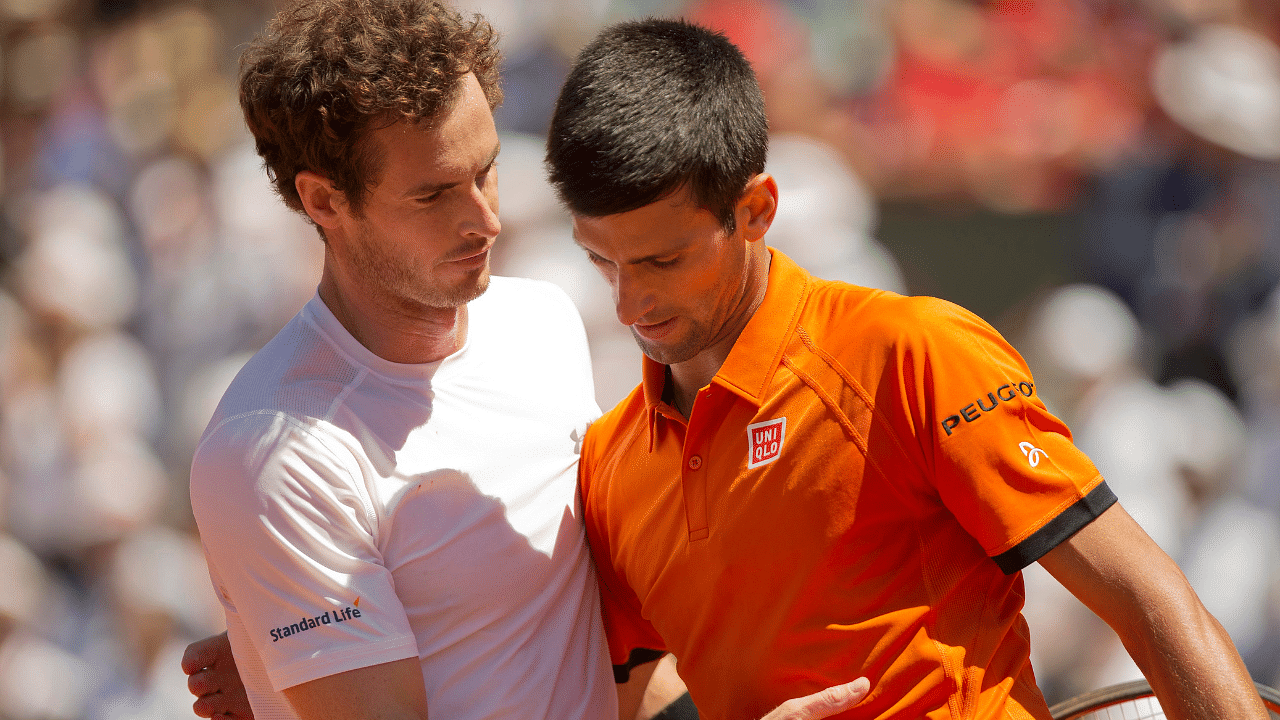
pixel 1255 356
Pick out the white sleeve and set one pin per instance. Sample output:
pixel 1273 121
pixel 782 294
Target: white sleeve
pixel 290 539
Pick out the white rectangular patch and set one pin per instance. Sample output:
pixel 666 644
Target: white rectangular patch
pixel 764 441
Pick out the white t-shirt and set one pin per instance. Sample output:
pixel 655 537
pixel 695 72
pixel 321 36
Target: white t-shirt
pixel 356 511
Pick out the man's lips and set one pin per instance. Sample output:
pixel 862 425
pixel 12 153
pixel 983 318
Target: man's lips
pixel 654 331
pixel 476 257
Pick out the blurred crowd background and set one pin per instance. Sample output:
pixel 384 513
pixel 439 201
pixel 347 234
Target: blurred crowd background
pixel 1097 178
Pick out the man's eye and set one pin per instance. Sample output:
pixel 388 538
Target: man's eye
pixel 664 263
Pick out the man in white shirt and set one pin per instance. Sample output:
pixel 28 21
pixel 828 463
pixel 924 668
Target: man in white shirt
pixel 387 492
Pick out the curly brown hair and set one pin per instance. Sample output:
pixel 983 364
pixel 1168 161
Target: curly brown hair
pixel 327 72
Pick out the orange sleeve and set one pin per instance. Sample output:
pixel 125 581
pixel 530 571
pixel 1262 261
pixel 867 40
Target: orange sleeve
pixel 1002 463
pixel 632 639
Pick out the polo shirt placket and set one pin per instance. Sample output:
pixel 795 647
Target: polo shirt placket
pixel 705 451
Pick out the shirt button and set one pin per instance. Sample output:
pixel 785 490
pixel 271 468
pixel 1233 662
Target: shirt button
pixel 695 462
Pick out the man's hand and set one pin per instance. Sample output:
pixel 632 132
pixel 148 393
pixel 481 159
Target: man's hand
pixel 214 680
pixel 824 703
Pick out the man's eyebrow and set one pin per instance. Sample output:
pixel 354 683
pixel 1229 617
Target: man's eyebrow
pixel 652 258
pixel 634 261
pixel 429 188
pixel 493 156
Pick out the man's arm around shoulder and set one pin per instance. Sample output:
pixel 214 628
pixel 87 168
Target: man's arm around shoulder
pixel 1119 572
pixel 390 691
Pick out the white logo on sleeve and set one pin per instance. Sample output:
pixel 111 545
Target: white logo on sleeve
pixel 764 441
pixel 1032 452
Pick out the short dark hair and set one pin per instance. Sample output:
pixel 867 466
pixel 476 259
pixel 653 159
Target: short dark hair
pixel 649 107
pixel 327 72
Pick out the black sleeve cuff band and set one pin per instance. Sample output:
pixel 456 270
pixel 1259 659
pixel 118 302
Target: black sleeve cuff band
pixel 681 708
pixel 639 656
pixel 1067 523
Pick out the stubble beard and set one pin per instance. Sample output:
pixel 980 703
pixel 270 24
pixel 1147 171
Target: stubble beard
pixel 682 350
pixel 396 279
pixel 456 295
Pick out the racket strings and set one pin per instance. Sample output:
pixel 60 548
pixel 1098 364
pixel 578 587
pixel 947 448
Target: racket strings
pixel 1146 708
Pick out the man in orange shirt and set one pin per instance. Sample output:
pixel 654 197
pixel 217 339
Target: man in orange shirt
pixel 816 481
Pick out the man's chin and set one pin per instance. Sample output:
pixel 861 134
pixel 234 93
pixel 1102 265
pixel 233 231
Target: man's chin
pixel 465 292
pixel 666 354
pixel 477 288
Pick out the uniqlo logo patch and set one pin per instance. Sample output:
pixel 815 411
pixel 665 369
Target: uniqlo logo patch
pixel 764 441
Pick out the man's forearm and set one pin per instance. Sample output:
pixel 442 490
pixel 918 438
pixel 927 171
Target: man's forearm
pixel 1193 667
pixel 1116 570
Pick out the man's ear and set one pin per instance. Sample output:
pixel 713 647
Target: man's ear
pixel 325 205
pixel 757 206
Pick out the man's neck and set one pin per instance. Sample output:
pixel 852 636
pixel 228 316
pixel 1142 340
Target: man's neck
pixel 685 379
pixel 394 329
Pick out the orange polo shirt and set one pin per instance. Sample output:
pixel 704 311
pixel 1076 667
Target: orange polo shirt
pixel 853 494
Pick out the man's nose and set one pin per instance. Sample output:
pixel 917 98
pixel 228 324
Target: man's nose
pixel 632 299
pixel 482 214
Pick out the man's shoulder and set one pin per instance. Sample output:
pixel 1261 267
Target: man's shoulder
pixel 292 380
pixel 842 317
pixel 524 295
pixel 614 430
pixel 526 311
pixel 253 460
pixel 262 435
pixel 243 436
